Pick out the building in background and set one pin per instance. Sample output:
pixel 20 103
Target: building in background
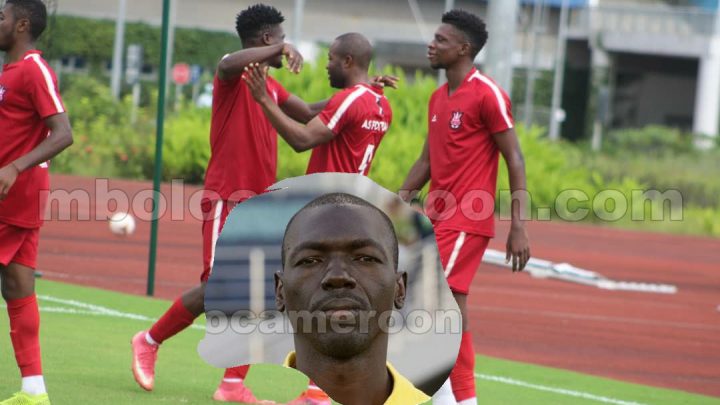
pixel 628 63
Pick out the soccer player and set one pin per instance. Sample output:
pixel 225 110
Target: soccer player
pixel 348 131
pixel 243 163
pixel 339 266
pixel 33 129
pixel 470 123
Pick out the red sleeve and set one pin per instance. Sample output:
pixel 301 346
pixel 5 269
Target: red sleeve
pixel 338 111
pixel 282 94
pixel 496 110
pixel 42 87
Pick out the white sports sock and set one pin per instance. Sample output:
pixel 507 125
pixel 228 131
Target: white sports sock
pixel 233 380
pixel 444 396
pixel 33 385
pixel 150 340
pixel 469 401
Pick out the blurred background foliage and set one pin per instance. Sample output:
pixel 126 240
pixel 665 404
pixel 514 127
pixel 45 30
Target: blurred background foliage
pixel 109 144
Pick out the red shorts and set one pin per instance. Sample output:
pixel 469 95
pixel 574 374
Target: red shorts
pixel 460 255
pixel 214 215
pixel 18 245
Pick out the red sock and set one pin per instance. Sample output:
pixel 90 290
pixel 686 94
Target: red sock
pixel 462 376
pixel 173 321
pixel 25 334
pixel 237 372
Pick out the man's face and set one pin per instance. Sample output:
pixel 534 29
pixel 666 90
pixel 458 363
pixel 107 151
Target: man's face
pixel 446 47
pixel 7 28
pixel 275 36
pixel 339 267
pixel 336 73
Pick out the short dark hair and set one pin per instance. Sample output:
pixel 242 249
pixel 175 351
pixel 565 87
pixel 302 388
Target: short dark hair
pixel 345 199
pixel 252 21
pixel 470 25
pixel 35 11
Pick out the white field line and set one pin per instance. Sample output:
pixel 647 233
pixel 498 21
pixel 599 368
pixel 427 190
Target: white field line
pixel 84 308
pixel 561 391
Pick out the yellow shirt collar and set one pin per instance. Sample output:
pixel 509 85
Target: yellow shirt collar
pixel 403 393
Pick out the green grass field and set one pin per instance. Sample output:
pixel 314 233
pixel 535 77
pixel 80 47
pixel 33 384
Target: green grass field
pixel 86 357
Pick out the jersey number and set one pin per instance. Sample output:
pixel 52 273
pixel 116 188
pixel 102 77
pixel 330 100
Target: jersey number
pixel 366 159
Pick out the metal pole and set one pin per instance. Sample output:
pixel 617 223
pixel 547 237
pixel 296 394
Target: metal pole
pixel 297 25
pixel 501 21
pixel 706 120
pixel 449 5
pixel 171 38
pixel 118 49
pixel 158 146
pixel 559 73
pixel 532 69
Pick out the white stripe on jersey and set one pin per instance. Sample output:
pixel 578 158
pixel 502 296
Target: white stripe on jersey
pixel 453 256
pixel 215 231
pixel 48 82
pixel 498 96
pixel 345 105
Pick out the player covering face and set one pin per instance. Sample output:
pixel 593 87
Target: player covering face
pixel 243 163
pixel 340 258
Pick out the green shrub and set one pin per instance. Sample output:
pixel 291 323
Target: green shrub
pixel 106 144
pixel 92 39
pixel 651 140
pixel 109 145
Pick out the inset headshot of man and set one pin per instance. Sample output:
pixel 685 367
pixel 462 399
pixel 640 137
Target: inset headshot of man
pixel 338 285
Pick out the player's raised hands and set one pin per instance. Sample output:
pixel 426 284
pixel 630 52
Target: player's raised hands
pixel 517 248
pixel 8 174
pixel 385 81
pixel 255 76
pixel 293 58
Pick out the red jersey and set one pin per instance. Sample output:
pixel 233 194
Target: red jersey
pixel 358 116
pixel 243 142
pixel 463 154
pixel 28 95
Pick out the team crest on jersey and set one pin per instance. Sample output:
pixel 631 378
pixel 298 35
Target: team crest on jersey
pixel 456 120
pixel 2 93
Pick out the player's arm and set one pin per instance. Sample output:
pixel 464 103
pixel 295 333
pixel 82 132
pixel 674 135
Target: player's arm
pixel 303 112
pixel 418 176
pixel 299 137
pixel 300 111
pixel 60 138
pixel 231 66
pixel 518 246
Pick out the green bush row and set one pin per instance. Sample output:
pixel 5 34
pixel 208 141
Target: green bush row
pixel 92 40
pixel 109 145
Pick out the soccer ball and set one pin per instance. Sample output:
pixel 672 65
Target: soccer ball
pixel 122 224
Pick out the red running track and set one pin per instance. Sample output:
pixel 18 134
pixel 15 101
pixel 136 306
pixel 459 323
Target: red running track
pixel 655 339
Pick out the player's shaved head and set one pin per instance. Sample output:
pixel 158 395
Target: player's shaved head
pixel 344 199
pixel 357 46
pixel 349 60
pixel 338 286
